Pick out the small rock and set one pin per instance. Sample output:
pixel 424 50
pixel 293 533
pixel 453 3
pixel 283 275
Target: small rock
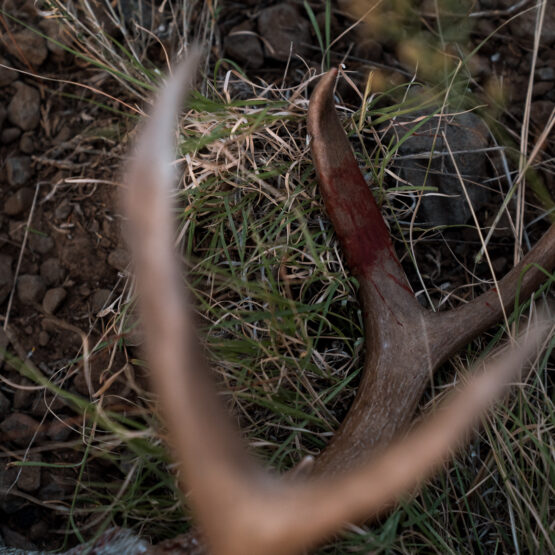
pixel 467 136
pixel 63 210
pixel 51 271
pixel 7 76
pixel 53 299
pixel 44 338
pixel 546 73
pixel 4 406
pixel 243 45
pixel 58 431
pixel 6 276
pixel 46 402
pixel 285 32
pixel 19 202
pixel 41 243
pixel 63 135
pixel 17 541
pixel 10 135
pixel 30 288
pixel 18 170
pixel 99 300
pixel 119 259
pixel 16 230
pixel 24 108
pixel 29 477
pixel 54 29
pixel 28 46
pixel 27 143
pixel 19 428
pixel 23 398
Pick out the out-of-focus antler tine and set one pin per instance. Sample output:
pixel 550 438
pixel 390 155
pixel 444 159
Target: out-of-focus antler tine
pixel 215 465
pixel 240 508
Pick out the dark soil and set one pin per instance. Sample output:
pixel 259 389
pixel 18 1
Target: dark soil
pixel 62 259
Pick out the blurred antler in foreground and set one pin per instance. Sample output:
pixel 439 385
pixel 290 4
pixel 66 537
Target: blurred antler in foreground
pixel 240 507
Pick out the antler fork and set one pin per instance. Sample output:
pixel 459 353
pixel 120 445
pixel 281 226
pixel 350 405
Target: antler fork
pixel 242 508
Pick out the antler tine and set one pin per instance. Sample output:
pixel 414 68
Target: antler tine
pixel 240 507
pixel 404 342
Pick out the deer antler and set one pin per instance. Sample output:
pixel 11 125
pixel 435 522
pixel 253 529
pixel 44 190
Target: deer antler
pixel 241 508
pixel 405 343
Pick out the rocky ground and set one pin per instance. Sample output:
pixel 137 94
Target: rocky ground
pixel 63 266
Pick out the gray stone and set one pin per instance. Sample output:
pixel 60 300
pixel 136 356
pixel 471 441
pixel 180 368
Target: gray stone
pixel 19 202
pixel 30 289
pixel 27 143
pixel 51 272
pixel 99 300
pixel 41 243
pixel 16 230
pixel 24 108
pixel 467 136
pixel 29 477
pixel 7 76
pixel 119 259
pixel 6 276
pixel 243 45
pixel 284 31
pixel 10 135
pixel 54 29
pixel 18 170
pixel 53 299
pixel 28 45
pixel 19 428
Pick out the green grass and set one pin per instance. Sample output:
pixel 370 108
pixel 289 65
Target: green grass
pixel 279 319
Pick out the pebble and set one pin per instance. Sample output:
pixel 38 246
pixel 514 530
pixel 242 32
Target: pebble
pixel 28 46
pixel 282 26
pixel 41 243
pixel 16 230
pixel 27 142
pixel 44 338
pixel 19 428
pixel 19 202
pixel 53 299
pixel 23 398
pixel 241 44
pixel 7 76
pixel 63 210
pixel 119 259
pixel 18 170
pixel 546 73
pixel 100 299
pixel 10 135
pixel 51 271
pixel 24 108
pixel 30 288
pixel 29 477
pixel 58 431
pixel 6 276
pixel 54 29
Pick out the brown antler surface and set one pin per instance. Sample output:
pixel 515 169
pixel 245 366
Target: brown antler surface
pixel 241 508
pixel 404 342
